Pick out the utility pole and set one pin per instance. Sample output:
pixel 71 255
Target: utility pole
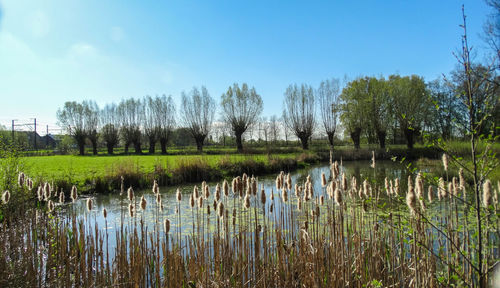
pixel 47 138
pixel 34 136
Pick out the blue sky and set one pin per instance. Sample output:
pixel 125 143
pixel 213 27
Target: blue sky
pixel 55 51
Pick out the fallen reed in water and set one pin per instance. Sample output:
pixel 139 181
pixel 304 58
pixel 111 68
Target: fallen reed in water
pixel 335 234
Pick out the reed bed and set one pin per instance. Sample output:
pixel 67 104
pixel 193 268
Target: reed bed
pixel 335 231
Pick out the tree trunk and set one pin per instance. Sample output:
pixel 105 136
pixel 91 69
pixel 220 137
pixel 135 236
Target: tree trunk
pixel 381 138
pixel 127 144
pixel 355 136
pixel 110 148
pixel 137 146
pixel 409 133
pixel 81 146
pixel 305 142
pixel 239 142
pixel 152 145
pixel 163 145
pixel 199 143
pixel 94 147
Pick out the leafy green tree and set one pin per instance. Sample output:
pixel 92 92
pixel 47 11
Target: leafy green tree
pixel 448 113
pixel 91 123
pixel 354 101
pixel 411 105
pixel 241 108
pixel 299 112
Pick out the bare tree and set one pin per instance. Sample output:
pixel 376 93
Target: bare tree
pixel 72 117
pixel 274 128
pixel 299 112
pixel 91 123
pixel 150 121
pixel 198 110
pixel 242 108
pixel 109 126
pixel 130 113
pixel 328 97
pixel 166 120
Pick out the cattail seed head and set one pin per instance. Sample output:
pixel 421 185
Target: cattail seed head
pixel 278 182
pixel 130 194
pixel 178 195
pixel 321 200
pixel 158 198
pixel 247 201
pixel 284 195
pixel 191 201
pixel 217 193
pixel 6 197
pixel 441 193
pixel 61 197
pixel 122 185
pixel 131 210
pixel 411 199
pixel 155 189
pixel 50 206
pixel 74 193
pixel 225 188
pixel 166 225
pixel 104 213
pixel 200 203
pixel 461 178
pixel 445 161
pixel 46 191
pixel 323 179
pixel 396 186
pixel 89 204
pixel 39 193
pixel 299 204
pixel 20 179
pixel 206 191
pixel 220 210
pixel 338 196
pixel 195 192
pixel 430 194
pixel 262 195
pixel 289 181
pixel 487 196
pixel 254 186
pixel 143 203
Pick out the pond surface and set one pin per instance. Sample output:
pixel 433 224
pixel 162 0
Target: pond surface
pixel 117 205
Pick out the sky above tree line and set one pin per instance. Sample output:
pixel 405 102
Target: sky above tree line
pixel 54 51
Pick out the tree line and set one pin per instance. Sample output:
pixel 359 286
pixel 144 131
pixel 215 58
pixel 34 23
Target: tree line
pixel 372 108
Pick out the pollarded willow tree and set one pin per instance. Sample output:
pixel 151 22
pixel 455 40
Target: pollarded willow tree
pixel 130 114
pixel 91 123
pixel 166 120
pixel 72 118
pixel 299 112
pixel 353 114
pixel 198 110
pixel 241 108
pixel 411 105
pixel 328 98
pixel 110 126
pixel 150 122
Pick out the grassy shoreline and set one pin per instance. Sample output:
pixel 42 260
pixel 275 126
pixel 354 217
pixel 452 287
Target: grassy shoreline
pixel 102 174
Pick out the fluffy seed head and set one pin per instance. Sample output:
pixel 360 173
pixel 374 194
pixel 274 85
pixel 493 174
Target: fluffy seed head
pixel 105 213
pixel 220 210
pixel 74 193
pixel 217 193
pixel 321 200
pixel 323 180
pixel 6 197
pixel 430 194
pixel 131 210
pixel 225 188
pixel 178 195
pixel 206 190
pixel 461 178
pixel 263 195
pixel 50 205
pixel 20 179
pixel 130 194
pixel 445 161
pixel 39 193
pixel 195 192
pixel 143 203
pixel 89 204
pixel 373 160
pixel 284 195
pixel 338 196
pixel 487 196
pixel 411 199
pixel 166 225
pixel 158 198
pixel 247 201
pixel 61 197
pixel 155 189
pixel 191 201
pixel 200 203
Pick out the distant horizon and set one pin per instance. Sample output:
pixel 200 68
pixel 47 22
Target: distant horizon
pixel 106 51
